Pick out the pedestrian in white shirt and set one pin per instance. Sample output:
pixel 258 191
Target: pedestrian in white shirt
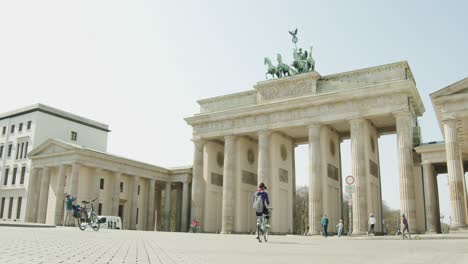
pixel 340 228
pixel 372 222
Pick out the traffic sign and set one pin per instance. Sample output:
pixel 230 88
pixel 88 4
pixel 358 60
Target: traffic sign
pixel 349 180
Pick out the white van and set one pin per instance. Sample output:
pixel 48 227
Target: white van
pixel 110 222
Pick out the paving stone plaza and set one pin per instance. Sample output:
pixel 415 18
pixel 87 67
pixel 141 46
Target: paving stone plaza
pixel 70 245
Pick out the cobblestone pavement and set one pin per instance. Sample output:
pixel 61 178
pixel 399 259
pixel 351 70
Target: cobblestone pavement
pixel 70 245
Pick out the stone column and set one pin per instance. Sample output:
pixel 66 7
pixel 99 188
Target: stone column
pixel 60 197
pixel 456 181
pixel 315 180
pixel 404 126
pixel 198 183
pixel 293 154
pixel 358 169
pixel 30 203
pixel 167 207
pixel 134 203
pixel 430 190
pixel 229 170
pixel 185 196
pixel 75 179
pixel 158 214
pixel 179 208
pixel 116 194
pixel 37 191
pixel 96 188
pixel 43 196
pixel 264 158
pixel 150 212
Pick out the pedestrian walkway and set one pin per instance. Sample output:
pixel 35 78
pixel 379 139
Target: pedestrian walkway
pixel 70 245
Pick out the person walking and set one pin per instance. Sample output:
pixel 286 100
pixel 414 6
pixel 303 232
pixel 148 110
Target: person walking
pixel 372 222
pixel 68 209
pixel 340 228
pixel 325 226
pixel 405 227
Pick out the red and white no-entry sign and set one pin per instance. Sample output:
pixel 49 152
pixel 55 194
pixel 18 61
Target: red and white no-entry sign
pixel 349 180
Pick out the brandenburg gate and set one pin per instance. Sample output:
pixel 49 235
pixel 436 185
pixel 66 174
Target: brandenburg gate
pixel 246 138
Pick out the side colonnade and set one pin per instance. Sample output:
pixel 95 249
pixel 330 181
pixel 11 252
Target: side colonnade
pixel 136 199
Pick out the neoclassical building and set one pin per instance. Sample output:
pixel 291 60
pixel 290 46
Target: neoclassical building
pixel 245 138
pixel 448 157
pixel 23 130
pixel 143 195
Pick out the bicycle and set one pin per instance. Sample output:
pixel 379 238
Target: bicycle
pixel 88 218
pixel 263 227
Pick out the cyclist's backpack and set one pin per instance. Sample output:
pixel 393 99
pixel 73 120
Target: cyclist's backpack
pixel 258 203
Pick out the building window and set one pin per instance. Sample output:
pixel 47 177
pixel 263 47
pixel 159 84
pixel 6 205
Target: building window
pixel 99 210
pixel 1 151
pixel 4 130
pixel 18 207
pixel 29 125
pixel 12 129
pixel 25 150
pixel 137 216
pixel 101 184
pixel 10 148
pixel 13 177
pixel 23 172
pixel 22 148
pixel 10 208
pixel 74 135
pixel 2 208
pixel 121 186
pixel 20 127
pixel 5 177
pixel 17 150
pixel 138 189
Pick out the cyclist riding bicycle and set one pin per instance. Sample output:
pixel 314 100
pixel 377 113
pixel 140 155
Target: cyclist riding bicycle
pixel 261 203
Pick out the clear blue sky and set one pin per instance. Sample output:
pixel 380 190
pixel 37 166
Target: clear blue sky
pixel 139 66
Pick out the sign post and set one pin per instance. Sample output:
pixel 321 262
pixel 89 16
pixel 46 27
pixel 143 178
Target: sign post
pixel 349 189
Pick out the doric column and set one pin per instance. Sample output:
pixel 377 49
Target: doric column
pixel 150 212
pixel 158 214
pixel 404 126
pixel 178 217
pixel 229 170
pixel 456 182
pixel 75 179
pixel 30 203
pixel 315 180
pixel 134 203
pixel 116 194
pixel 430 198
pixel 43 196
pixel 264 158
pixel 293 157
pixel 60 197
pixel 198 183
pixel 185 196
pixel 167 207
pixel 358 169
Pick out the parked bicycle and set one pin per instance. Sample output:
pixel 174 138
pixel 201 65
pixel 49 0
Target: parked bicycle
pixel 87 216
pixel 263 226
